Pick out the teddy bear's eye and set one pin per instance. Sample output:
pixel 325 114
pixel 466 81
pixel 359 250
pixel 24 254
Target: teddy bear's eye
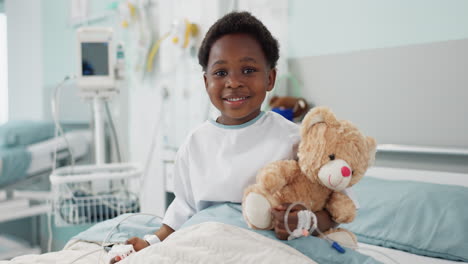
pixel 332 156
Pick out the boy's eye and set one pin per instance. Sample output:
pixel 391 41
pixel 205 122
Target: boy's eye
pixel 248 70
pixel 221 73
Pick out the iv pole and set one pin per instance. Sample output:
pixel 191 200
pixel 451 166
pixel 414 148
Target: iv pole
pixel 99 151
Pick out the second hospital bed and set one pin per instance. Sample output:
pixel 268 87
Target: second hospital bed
pixel 24 171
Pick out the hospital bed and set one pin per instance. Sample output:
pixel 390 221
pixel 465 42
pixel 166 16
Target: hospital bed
pixel 24 171
pixel 42 154
pixel 219 234
pixel 19 168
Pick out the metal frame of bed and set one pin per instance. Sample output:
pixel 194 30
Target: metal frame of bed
pixel 30 196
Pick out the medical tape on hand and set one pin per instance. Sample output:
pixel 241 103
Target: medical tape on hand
pixel 307 222
pixel 304 223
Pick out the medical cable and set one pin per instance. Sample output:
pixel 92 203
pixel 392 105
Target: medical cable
pixel 114 132
pixel 153 141
pixel 154 50
pixel 55 104
pixel 307 224
pixel 104 245
pixel 307 230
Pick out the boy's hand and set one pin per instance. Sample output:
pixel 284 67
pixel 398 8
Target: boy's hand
pixel 137 243
pixel 324 220
pixel 278 216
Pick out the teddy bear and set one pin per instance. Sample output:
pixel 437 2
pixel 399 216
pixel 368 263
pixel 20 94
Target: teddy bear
pixel 293 108
pixel 332 155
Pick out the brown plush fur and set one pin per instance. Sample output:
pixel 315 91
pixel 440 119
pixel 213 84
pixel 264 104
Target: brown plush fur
pixel 292 181
pixel 333 230
pixel 299 105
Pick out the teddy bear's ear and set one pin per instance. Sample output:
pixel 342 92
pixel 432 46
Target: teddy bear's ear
pixel 317 115
pixel 372 147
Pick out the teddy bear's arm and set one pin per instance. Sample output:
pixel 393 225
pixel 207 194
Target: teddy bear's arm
pixel 278 174
pixel 341 208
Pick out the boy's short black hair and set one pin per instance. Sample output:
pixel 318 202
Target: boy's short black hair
pixel 240 22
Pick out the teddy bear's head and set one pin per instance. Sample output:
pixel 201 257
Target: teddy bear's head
pixel 333 152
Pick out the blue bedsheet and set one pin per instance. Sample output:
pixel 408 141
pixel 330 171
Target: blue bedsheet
pixel 15 163
pixel 315 248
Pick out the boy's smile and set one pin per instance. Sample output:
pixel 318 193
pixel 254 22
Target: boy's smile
pixel 237 78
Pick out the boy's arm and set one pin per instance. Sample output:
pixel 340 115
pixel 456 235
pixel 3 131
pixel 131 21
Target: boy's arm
pixel 181 208
pixel 139 243
pixel 164 232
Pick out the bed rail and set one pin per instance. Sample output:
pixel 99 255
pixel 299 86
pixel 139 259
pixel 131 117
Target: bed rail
pixel 395 148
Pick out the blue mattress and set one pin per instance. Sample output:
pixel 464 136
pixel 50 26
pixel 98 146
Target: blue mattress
pixel 15 136
pixel 25 132
pixel 15 163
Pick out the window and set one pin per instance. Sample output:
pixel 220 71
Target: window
pixel 3 70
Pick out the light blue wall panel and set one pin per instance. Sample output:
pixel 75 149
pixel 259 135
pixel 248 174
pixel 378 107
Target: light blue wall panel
pixel 318 27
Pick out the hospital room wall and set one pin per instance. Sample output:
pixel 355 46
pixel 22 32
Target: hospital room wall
pixel 25 57
pixel 42 51
pixel 397 69
pixel 36 70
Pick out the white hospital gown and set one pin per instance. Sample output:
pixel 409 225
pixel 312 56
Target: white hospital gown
pixel 217 162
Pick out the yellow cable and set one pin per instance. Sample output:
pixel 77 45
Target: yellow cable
pixel 191 30
pixel 186 34
pixel 154 50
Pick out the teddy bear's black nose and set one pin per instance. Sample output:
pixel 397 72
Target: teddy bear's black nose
pixel 332 156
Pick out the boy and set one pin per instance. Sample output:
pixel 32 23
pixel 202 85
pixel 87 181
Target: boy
pixel 220 158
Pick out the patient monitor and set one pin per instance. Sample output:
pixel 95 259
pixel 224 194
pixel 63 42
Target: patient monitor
pixel 96 60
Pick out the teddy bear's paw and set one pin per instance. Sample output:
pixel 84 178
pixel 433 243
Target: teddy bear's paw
pixel 257 211
pixel 343 237
pixel 342 219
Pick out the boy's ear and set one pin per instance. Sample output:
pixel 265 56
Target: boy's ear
pixel 204 79
pixel 271 79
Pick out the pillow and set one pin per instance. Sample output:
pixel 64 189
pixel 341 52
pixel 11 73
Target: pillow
pixel 23 133
pixel 422 218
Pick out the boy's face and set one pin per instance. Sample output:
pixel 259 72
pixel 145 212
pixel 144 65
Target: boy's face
pixel 237 78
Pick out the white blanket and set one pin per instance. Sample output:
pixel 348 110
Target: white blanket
pixel 218 243
pixel 203 243
pixel 74 251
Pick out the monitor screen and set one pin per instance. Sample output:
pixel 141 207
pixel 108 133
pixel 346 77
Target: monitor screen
pixel 94 58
